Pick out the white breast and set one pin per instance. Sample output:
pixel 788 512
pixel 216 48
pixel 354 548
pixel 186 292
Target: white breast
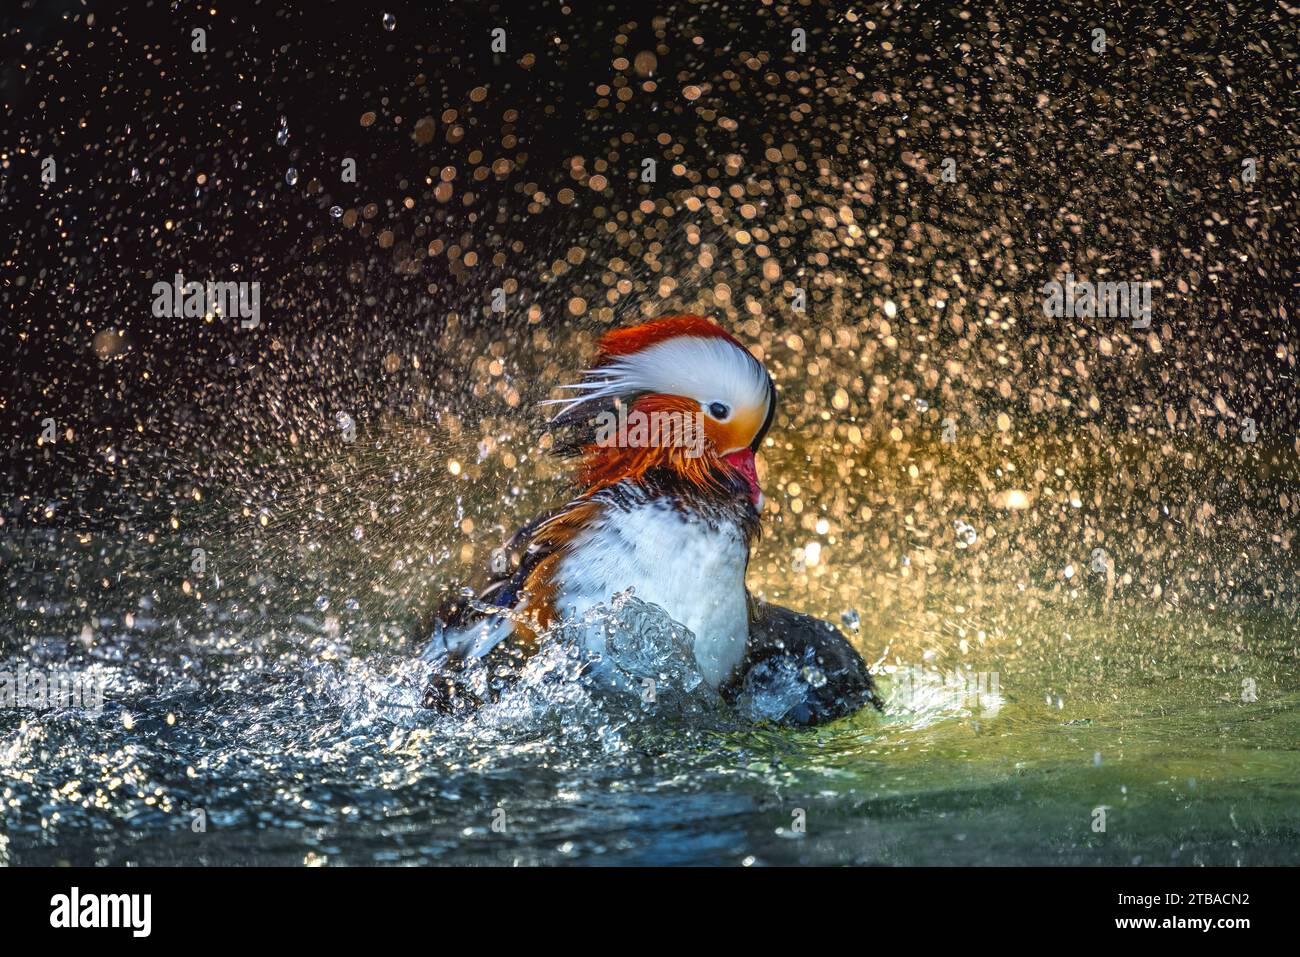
pixel 695 571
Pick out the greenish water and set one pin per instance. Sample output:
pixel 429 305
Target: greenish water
pixel 1153 729
pixel 294 762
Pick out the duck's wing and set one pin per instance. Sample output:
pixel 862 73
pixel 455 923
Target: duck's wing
pixel 499 583
pixel 783 644
pixel 467 626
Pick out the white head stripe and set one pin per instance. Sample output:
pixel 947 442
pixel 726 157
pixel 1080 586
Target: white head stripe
pixel 704 369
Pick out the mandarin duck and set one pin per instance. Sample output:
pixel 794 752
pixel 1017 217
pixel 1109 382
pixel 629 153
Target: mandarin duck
pixel 664 428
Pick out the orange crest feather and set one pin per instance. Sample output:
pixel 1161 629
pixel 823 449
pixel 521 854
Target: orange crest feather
pixel 606 465
pixel 621 342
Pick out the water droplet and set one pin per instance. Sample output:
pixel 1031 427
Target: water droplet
pixel 390 22
pixel 336 212
pixel 922 405
pixel 282 135
pixel 291 176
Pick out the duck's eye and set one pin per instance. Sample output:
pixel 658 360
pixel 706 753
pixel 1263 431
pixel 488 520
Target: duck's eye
pixel 719 411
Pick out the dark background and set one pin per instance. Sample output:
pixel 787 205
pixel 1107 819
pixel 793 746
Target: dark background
pixel 1140 148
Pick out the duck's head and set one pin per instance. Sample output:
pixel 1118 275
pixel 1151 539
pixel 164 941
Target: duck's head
pixel 678 396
